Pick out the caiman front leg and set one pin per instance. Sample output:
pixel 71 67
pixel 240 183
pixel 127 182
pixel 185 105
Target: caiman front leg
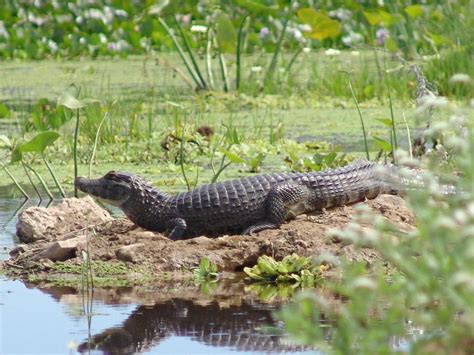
pixel 177 226
pixel 284 201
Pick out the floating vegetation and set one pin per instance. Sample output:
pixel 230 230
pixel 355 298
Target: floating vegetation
pixel 292 269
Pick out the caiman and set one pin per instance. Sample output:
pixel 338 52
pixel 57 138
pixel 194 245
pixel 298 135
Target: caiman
pixel 244 205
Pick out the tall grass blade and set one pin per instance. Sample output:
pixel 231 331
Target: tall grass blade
pixel 181 53
pixel 96 140
pixel 188 49
pixel 31 181
pixel 16 183
pixel 273 63
pixel 53 175
pixel 361 119
pixel 392 116
pixel 74 152
pixel 238 52
pixel 40 179
pixel 210 75
pixel 181 158
pixel 223 68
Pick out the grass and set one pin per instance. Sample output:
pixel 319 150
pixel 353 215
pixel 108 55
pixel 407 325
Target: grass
pixel 148 106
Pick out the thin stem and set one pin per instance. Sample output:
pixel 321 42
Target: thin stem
pixel 94 148
pixel 53 175
pixel 187 47
pixel 408 135
pixel 361 120
pixel 40 179
pixel 31 181
pixel 392 116
pixel 74 152
pixel 210 75
pixel 238 52
pixel 273 63
pixel 16 183
pixel 293 59
pixel 223 67
pixel 181 159
pixel 180 52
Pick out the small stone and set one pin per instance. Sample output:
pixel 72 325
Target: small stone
pixel 62 250
pixel 18 250
pixel 129 253
pixel 107 256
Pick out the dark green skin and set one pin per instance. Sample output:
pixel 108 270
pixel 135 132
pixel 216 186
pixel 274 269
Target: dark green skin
pixel 243 205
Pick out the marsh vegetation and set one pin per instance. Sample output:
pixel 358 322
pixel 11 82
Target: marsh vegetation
pixel 191 92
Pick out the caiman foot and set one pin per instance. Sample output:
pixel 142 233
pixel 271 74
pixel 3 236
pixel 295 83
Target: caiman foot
pixel 178 227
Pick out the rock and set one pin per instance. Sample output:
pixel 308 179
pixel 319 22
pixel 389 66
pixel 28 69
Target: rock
pixel 130 253
pixel 62 249
pixel 36 223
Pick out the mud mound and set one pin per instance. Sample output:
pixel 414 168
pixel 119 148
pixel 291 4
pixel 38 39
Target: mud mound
pixel 80 224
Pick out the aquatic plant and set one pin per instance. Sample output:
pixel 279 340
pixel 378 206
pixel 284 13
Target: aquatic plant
pixel 206 271
pixel 292 269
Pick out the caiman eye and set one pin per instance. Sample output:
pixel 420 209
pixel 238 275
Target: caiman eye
pixel 111 175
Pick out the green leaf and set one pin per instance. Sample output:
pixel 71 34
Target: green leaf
pixel 322 26
pixel 158 7
pixel 16 155
pixel 391 45
pixel 4 111
pixel 256 8
pixel 414 11
pixel 226 35
pixel 378 17
pixel 5 140
pixel 204 263
pixel 234 158
pixel 68 100
pixel 39 142
pixel 386 121
pixel 383 144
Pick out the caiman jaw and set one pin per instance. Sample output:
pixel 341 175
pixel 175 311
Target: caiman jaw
pixel 111 191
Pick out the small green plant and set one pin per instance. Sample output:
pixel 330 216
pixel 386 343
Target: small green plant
pixel 292 269
pixel 206 271
pixel 70 101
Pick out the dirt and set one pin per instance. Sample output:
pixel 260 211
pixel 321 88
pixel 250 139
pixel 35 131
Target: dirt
pixel 88 227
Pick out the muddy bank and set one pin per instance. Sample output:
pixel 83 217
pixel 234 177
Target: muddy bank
pixel 54 240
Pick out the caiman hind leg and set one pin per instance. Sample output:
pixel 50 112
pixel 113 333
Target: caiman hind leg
pixel 284 201
pixel 177 226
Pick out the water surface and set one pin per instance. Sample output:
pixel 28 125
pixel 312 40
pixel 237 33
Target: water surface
pixel 52 319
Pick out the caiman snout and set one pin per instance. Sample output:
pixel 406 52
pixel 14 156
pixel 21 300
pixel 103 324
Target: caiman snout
pixel 80 182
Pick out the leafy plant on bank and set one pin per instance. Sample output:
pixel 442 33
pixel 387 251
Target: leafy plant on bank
pixel 429 291
pixel 206 271
pixel 291 269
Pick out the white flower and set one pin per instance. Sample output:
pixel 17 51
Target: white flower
pixel 3 31
pixel 332 52
pixel 121 13
pixel 305 27
pixel 53 47
pixel 198 29
pixel 460 78
pixel 341 14
pixel 427 58
pixel 82 41
pixel 102 38
pixel 352 38
pixel 306 50
pixel 256 69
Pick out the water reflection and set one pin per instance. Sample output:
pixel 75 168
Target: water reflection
pixel 226 322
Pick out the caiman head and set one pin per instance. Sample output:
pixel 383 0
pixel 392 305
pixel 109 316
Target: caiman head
pixel 113 188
